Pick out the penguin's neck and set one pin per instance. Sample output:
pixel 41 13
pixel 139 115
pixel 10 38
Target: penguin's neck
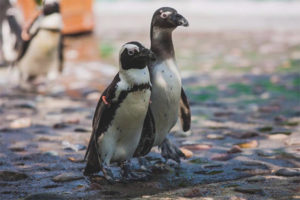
pixel 53 21
pixel 161 42
pixel 135 76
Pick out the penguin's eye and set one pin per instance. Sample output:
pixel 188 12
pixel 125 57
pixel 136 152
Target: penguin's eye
pixel 163 15
pixel 130 52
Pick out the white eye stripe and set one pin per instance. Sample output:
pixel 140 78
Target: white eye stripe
pixel 51 1
pixel 130 48
pixel 165 14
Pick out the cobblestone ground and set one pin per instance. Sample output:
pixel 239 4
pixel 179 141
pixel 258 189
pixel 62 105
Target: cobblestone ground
pixel 244 92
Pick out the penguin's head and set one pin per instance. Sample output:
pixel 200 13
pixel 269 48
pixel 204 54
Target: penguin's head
pixel 50 7
pixel 133 55
pixel 166 18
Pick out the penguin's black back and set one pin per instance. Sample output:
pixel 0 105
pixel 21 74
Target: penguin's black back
pixel 15 29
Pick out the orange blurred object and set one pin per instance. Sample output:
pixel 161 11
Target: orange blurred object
pixel 77 14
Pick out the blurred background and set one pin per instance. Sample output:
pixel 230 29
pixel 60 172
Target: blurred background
pixel 240 66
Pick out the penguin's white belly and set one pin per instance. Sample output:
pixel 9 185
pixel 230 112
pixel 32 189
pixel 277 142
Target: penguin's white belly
pixel 41 55
pixel 165 97
pixel 121 139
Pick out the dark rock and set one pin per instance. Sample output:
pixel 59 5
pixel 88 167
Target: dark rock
pixel 60 125
pixel 45 196
pixel 213 166
pixel 235 149
pixel 81 130
pixel 256 179
pixel 266 129
pixel 17 149
pixel 280 119
pixel 214 172
pixel 249 189
pixel 248 135
pixel 265 153
pixel 26 105
pixel 223 114
pixel 244 135
pixel 72 110
pixel 287 172
pixel 12 176
pixel 283 131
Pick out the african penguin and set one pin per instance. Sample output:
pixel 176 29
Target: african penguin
pixel 11 41
pixel 42 52
pixel 168 97
pixel 120 114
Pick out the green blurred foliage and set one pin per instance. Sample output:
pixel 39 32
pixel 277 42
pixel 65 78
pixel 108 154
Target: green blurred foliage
pixel 39 2
pixel 106 49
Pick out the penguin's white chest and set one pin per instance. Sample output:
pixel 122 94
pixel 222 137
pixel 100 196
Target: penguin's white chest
pixel 166 91
pixel 122 137
pixel 42 54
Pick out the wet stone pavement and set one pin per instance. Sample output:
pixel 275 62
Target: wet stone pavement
pixel 238 148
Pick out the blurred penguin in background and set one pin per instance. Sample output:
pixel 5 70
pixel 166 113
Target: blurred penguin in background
pixel 41 54
pixel 10 31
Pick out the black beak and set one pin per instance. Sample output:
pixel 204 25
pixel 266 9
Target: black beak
pixel 179 20
pixel 146 53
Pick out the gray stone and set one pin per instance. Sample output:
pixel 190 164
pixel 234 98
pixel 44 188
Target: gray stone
pixel 66 177
pixel 287 172
pixel 265 153
pixel 51 153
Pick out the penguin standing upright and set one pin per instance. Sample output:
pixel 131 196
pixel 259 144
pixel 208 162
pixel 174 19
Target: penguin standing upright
pixel 42 51
pixel 11 41
pixel 120 114
pixel 168 97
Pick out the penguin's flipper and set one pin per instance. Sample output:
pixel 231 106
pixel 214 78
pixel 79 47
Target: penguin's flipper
pixel 185 112
pixel 99 123
pixel 93 164
pixel 31 27
pixel 92 154
pixel 28 33
pixel 147 137
pixel 61 54
pixel 15 28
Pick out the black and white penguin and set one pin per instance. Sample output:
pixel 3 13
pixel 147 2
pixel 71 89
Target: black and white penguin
pixel 42 50
pixel 11 41
pixel 120 114
pixel 168 97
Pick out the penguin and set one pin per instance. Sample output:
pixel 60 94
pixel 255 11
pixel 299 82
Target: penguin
pixel 120 114
pixel 11 41
pixel 42 50
pixel 168 97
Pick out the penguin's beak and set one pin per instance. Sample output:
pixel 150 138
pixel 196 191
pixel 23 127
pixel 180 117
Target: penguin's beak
pixel 179 20
pixel 146 53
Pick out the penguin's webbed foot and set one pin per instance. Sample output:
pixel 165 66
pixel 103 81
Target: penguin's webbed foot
pixel 170 151
pixel 128 175
pixel 108 174
pixel 145 165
